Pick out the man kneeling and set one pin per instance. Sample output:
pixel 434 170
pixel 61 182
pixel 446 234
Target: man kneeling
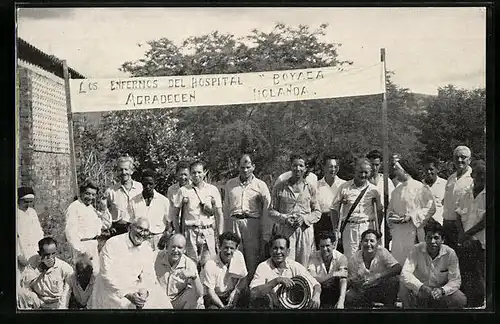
pixel 178 274
pixel 431 277
pixel 276 271
pixel 225 275
pixel 329 267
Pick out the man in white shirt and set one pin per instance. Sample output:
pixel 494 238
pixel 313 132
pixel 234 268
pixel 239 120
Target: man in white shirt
pixel 472 236
pixel 201 204
pixel 48 284
pixel 127 278
pixel 118 198
pixel 329 267
pixel 225 276
pixel 246 212
pixel 182 175
pixel 431 276
pixel 365 212
pixel 276 271
pixel 178 275
pixel 152 205
pixel 437 185
pixel 29 230
pixel 84 224
pixel 328 187
pixel 456 186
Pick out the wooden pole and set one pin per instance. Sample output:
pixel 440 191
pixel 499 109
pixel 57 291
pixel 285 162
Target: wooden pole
pixel 74 180
pixel 385 146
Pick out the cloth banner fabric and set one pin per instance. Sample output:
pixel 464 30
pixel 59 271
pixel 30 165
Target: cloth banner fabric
pixel 91 95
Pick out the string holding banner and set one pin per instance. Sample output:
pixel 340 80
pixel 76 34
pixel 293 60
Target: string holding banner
pixel 92 95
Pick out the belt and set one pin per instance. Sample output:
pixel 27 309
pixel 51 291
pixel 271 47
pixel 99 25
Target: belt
pixel 242 216
pixel 358 222
pixel 199 226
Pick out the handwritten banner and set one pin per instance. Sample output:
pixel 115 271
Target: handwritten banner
pixel 90 95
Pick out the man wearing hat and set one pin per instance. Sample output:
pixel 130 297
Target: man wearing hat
pixel 29 230
pixel 457 185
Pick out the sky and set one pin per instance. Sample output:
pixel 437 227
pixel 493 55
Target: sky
pixel 427 48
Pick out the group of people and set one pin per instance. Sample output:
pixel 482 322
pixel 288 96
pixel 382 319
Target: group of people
pixel 191 249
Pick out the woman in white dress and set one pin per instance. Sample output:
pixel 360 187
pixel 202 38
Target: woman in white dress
pixel 411 206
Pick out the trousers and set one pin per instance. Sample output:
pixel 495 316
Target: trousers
pixel 248 229
pixel 410 300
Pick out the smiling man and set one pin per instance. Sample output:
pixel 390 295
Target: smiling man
pixel 127 279
pixel 295 209
pixel 431 277
pixel 225 276
pixel 182 175
pixel 456 187
pixel 437 185
pixel 84 223
pixel 178 275
pixel 276 271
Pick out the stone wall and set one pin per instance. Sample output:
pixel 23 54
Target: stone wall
pixel 43 147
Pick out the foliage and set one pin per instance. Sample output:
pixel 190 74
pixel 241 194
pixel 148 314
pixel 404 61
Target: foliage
pixel 455 117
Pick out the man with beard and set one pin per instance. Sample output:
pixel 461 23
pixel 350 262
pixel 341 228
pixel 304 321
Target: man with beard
pixel 118 198
pixel 295 209
pixel 431 277
pixel 182 176
pixel 152 205
pixel 127 279
pixel 48 288
pixel 202 214
pixel 84 223
pixel 472 239
pixel 357 219
pixel 246 212
pixel 456 187
pixel 276 271
pixel 225 276
pixel 327 190
pixel 178 275
pixel 437 185
pixel 329 267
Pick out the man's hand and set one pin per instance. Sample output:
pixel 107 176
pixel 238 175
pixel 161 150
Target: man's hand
pixel 50 300
pixel 287 282
pixel 437 293
pixel 299 220
pixel 370 281
pixel 290 221
pixel 136 299
pixel 424 292
pixel 316 302
pixel 406 219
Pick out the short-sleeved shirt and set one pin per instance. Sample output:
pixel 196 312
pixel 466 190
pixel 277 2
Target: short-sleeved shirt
pixel 455 189
pixel 471 211
pixel 266 271
pixel 346 196
pixel 119 200
pixel 382 261
pixel 253 198
pixel 50 282
pixel 327 193
pixel 157 212
pixel 171 279
pixel 222 279
pixel 204 193
pixel 317 267
pixel 82 296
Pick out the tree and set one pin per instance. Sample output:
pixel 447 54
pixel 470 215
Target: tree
pixel 455 117
pixel 271 131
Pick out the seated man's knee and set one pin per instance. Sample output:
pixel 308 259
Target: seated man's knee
pixel 457 300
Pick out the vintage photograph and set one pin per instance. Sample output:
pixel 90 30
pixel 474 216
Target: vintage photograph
pixel 251 158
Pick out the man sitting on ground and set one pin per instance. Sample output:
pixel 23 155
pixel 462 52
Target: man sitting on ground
pixel 225 276
pixel 329 267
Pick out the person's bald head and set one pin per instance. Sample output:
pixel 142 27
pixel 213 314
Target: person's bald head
pixel 176 248
pixel 139 231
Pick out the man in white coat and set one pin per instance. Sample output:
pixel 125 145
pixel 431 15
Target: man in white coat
pixel 84 223
pixel 127 278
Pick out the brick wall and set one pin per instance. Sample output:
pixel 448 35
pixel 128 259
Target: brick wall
pixel 44 160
